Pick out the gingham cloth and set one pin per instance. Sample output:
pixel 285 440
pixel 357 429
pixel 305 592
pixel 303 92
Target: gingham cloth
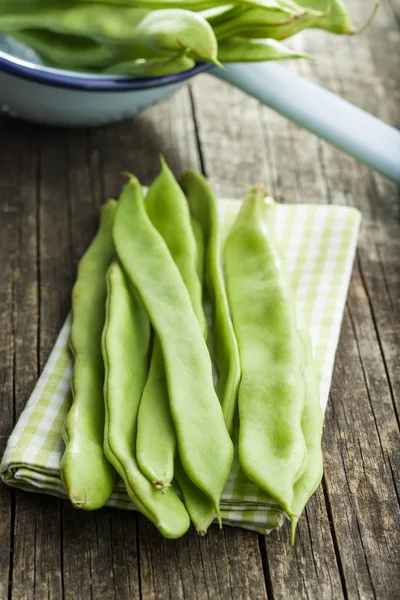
pixel 319 243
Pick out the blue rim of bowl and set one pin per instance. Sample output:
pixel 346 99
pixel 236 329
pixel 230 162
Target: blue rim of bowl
pixel 84 81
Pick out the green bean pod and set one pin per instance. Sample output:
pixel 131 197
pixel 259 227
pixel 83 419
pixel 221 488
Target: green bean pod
pixel 168 30
pixel 238 17
pixel 204 445
pixel 167 207
pixel 199 506
pixel 257 23
pixel 200 251
pixel 156 439
pixel 336 17
pixel 271 446
pixel 98 22
pixel 311 423
pixel 156 442
pixel 125 346
pixel 203 207
pixel 169 212
pixel 76 52
pixel 65 50
pixel 238 49
pixel 87 475
pixel 176 29
pixel 152 67
pixel 156 445
pixel 193 5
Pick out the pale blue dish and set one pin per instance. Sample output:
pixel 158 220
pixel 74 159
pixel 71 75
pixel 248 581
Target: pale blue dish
pixel 31 91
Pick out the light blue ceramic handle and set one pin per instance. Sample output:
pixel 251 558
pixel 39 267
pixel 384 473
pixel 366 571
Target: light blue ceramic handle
pixel 344 125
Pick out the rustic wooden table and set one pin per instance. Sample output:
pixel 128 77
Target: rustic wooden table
pixel 52 183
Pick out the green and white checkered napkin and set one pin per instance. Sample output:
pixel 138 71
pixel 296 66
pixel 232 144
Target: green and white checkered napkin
pixel 319 243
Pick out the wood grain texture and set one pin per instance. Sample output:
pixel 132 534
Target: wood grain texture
pixel 52 183
pixel 222 564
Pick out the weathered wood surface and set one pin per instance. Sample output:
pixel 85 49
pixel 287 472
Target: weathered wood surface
pixel 52 182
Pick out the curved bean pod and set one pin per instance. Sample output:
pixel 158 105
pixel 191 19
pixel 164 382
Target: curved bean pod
pixel 66 50
pixel 204 209
pixel 195 409
pixel 193 5
pixel 271 447
pixel 156 441
pixel 176 29
pixel 169 212
pixel 270 15
pixel 262 23
pixel 311 423
pixel 336 17
pixel 199 506
pixel 169 29
pixel 238 49
pixel 125 345
pixel 200 250
pixel 74 52
pixel 102 23
pixel 87 475
pixel 152 67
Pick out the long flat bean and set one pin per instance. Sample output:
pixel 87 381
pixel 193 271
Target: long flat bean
pixel 336 17
pixel 238 49
pixel 168 29
pixel 311 424
pixel 194 5
pixel 87 475
pixel 204 445
pixel 125 345
pixel 152 67
pixel 204 209
pixel 156 439
pixel 156 442
pixel 276 24
pixel 271 446
pixel 200 249
pixel 66 50
pixel 169 212
pixel 199 506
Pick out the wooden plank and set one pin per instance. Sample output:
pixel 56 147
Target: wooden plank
pixel 7 503
pixel 229 137
pixel 370 558
pixel 135 145
pixel 223 564
pixel 364 505
pixel 310 569
pixel 18 201
pixel 362 527
pixel 8 243
pixel 37 571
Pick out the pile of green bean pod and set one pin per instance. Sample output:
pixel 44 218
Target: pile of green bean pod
pixel 146 38
pixel 145 403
